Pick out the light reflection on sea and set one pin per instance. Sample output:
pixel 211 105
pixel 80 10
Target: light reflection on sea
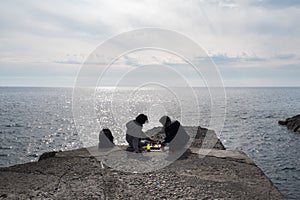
pixel 36 120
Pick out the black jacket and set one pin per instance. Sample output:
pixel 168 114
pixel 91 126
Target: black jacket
pixel 176 136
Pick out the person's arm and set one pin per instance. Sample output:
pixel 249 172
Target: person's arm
pixel 148 139
pixel 136 131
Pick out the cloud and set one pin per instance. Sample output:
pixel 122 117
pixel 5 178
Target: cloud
pixel 224 59
pixel 285 56
pixel 50 18
pixel 275 4
pixel 236 34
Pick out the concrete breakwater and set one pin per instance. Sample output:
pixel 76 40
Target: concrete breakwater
pixel 203 174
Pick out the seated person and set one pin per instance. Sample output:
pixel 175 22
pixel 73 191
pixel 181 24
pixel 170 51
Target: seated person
pixel 176 137
pixel 106 139
pixel 135 134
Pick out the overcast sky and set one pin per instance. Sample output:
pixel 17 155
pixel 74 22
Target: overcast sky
pixel 252 42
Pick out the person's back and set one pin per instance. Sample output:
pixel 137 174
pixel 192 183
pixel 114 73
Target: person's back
pixel 106 139
pixel 132 135
pixel 176 136
pixel 171 131
pixel 134 132
pixel 180 137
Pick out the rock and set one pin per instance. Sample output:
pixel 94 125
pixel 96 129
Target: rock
pixel 282 122
pixel 209 137
pixel 47 155
pixel 292 123
pixel 198 133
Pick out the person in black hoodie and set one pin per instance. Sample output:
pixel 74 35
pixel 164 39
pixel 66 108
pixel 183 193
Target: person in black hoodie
pixel 106 139
pixel 176 137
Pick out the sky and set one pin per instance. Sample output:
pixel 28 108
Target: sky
pixel 252 42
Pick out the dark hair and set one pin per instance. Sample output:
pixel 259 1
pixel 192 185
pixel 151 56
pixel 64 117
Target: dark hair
pixel 141 119
pixel 108 134
pixel 165 120
pixel 168 120
pixel 106 139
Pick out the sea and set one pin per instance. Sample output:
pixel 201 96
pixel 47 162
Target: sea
pixel 35 120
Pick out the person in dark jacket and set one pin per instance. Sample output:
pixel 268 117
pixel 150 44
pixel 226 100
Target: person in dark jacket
pixel 176 137
pixel 135 134
pixel 106 139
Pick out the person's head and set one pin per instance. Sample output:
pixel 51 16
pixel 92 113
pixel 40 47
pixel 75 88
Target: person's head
pixel 141 119
pixel 105 131
pixel 165 120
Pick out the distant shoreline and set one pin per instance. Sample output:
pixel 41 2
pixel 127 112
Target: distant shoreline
pixel 132 87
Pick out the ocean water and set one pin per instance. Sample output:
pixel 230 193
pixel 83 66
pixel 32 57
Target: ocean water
pixel 36 120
